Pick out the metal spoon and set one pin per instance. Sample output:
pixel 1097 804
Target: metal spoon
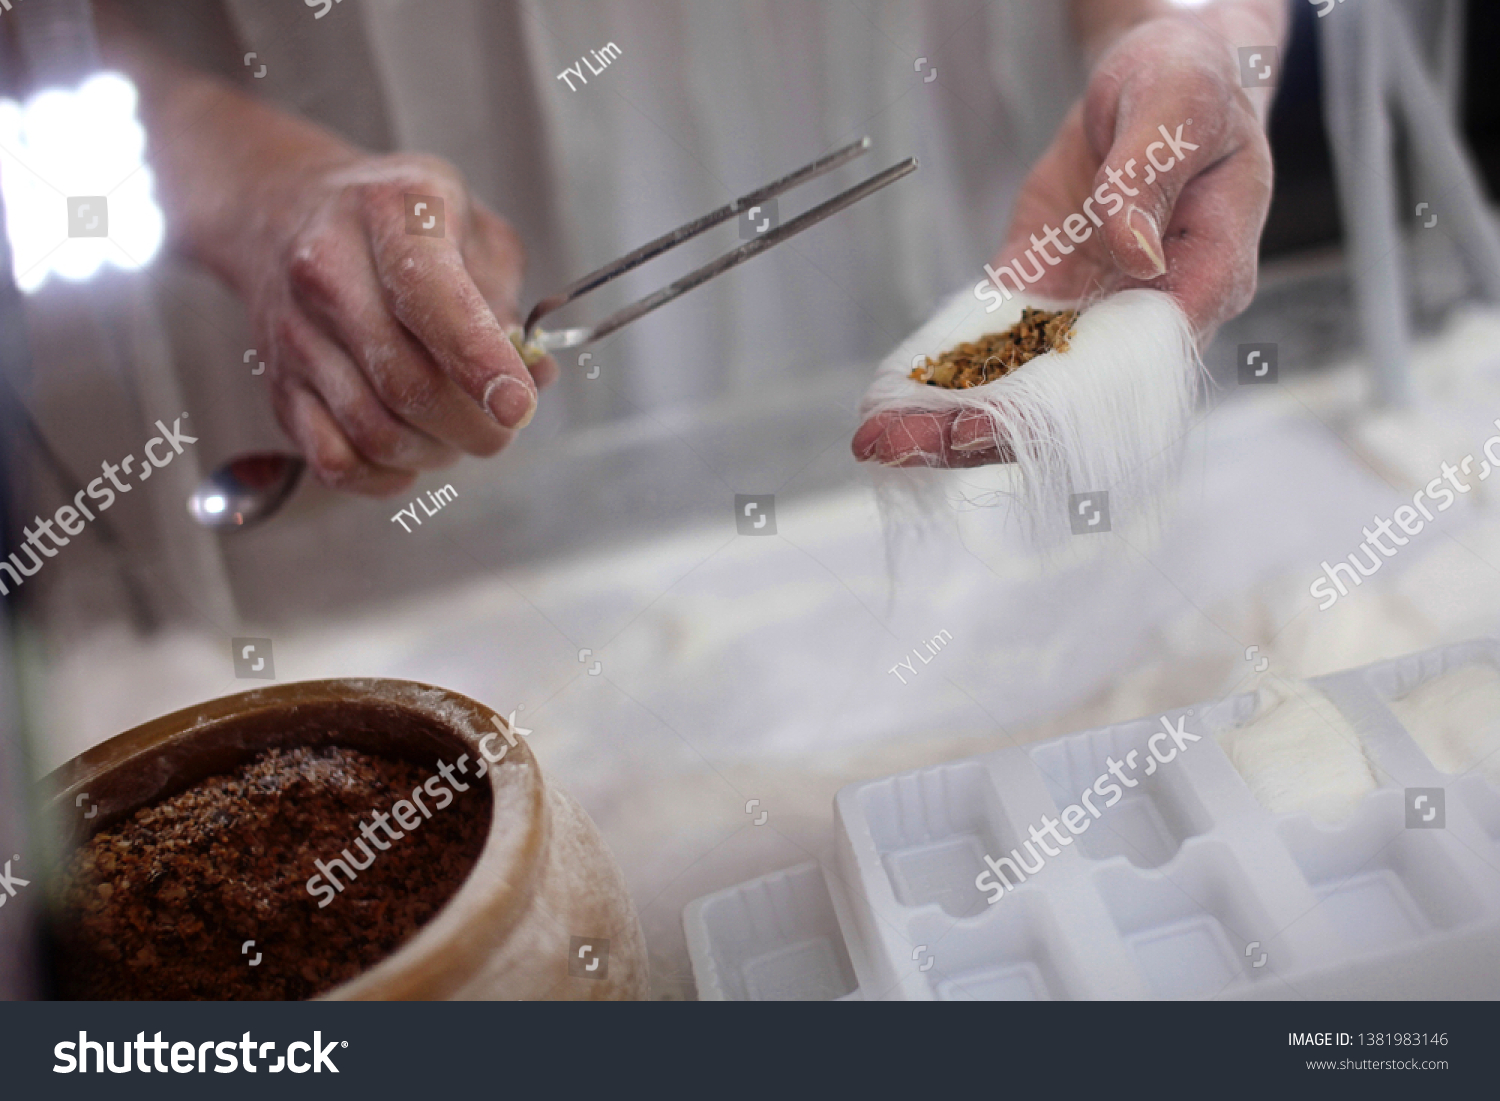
pixel 246 490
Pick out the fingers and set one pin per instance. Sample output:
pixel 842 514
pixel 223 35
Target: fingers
pixel 1159 145
pixel 334 282
pixel 1214 242
pixel 390 354
pixel 427 287
pixel 308 355
pixel 328 451
pixel 974 433
pixel 895 438
pixel 545 371
pixel 495 258
pixel 1204 184
pixel 1164 111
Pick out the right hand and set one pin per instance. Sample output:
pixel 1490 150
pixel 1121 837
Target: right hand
pixel 389 353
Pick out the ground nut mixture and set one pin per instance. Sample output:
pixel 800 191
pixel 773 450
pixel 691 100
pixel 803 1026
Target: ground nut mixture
pixel 160 905
pixel 998 354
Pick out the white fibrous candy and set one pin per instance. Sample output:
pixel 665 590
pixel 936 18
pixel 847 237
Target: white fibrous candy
pixel 531 350
pixel 1299 754
pixel 1455 718
pixel 1108 414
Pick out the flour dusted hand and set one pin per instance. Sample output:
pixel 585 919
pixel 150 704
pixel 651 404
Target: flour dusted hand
pixel 380 290
pixel 384 294
pixel 1159 177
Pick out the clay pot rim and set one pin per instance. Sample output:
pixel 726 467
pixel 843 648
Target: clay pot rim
pixel 494 896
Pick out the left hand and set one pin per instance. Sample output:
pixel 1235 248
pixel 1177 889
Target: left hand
pixel 1212 201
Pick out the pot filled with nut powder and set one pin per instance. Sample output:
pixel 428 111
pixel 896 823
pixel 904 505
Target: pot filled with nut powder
pixel 344 839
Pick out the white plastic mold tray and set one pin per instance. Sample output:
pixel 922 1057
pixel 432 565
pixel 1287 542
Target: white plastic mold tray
pixel 773 939
pixel 1178 884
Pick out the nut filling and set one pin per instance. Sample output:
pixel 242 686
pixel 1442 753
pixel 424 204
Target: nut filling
pixel 166 903
pixel 998 354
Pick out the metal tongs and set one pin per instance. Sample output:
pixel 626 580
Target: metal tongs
pixel 535 339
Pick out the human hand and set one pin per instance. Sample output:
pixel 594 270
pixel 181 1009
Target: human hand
pixel 1212 201
pixel 389 351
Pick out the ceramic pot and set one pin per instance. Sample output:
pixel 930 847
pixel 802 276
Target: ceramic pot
pixel 543 882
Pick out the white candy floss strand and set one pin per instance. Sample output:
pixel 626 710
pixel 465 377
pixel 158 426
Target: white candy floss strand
pixel 1108 414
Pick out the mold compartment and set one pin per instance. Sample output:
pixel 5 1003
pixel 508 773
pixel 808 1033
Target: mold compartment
pixel 773 939
pixel 1190 928
pixel 1448 702
pixel 1215 718
pixel 932 829
pixel 1012 954
pixel 1300 751
pixel 1400 676
pixel 1380 884
pixel 1483 802
pixel 1147 823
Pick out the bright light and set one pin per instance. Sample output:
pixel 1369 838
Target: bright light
pixel 80 145
pixel 215 505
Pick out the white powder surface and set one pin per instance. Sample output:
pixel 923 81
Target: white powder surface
pixel 1455 718
pixel 1300 755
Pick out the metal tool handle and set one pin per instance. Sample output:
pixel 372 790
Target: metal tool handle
pixel 557 340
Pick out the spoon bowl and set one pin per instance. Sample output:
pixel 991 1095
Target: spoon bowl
pixel 246 490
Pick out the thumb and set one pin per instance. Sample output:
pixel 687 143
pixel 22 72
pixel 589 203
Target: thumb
pixel 1148 164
